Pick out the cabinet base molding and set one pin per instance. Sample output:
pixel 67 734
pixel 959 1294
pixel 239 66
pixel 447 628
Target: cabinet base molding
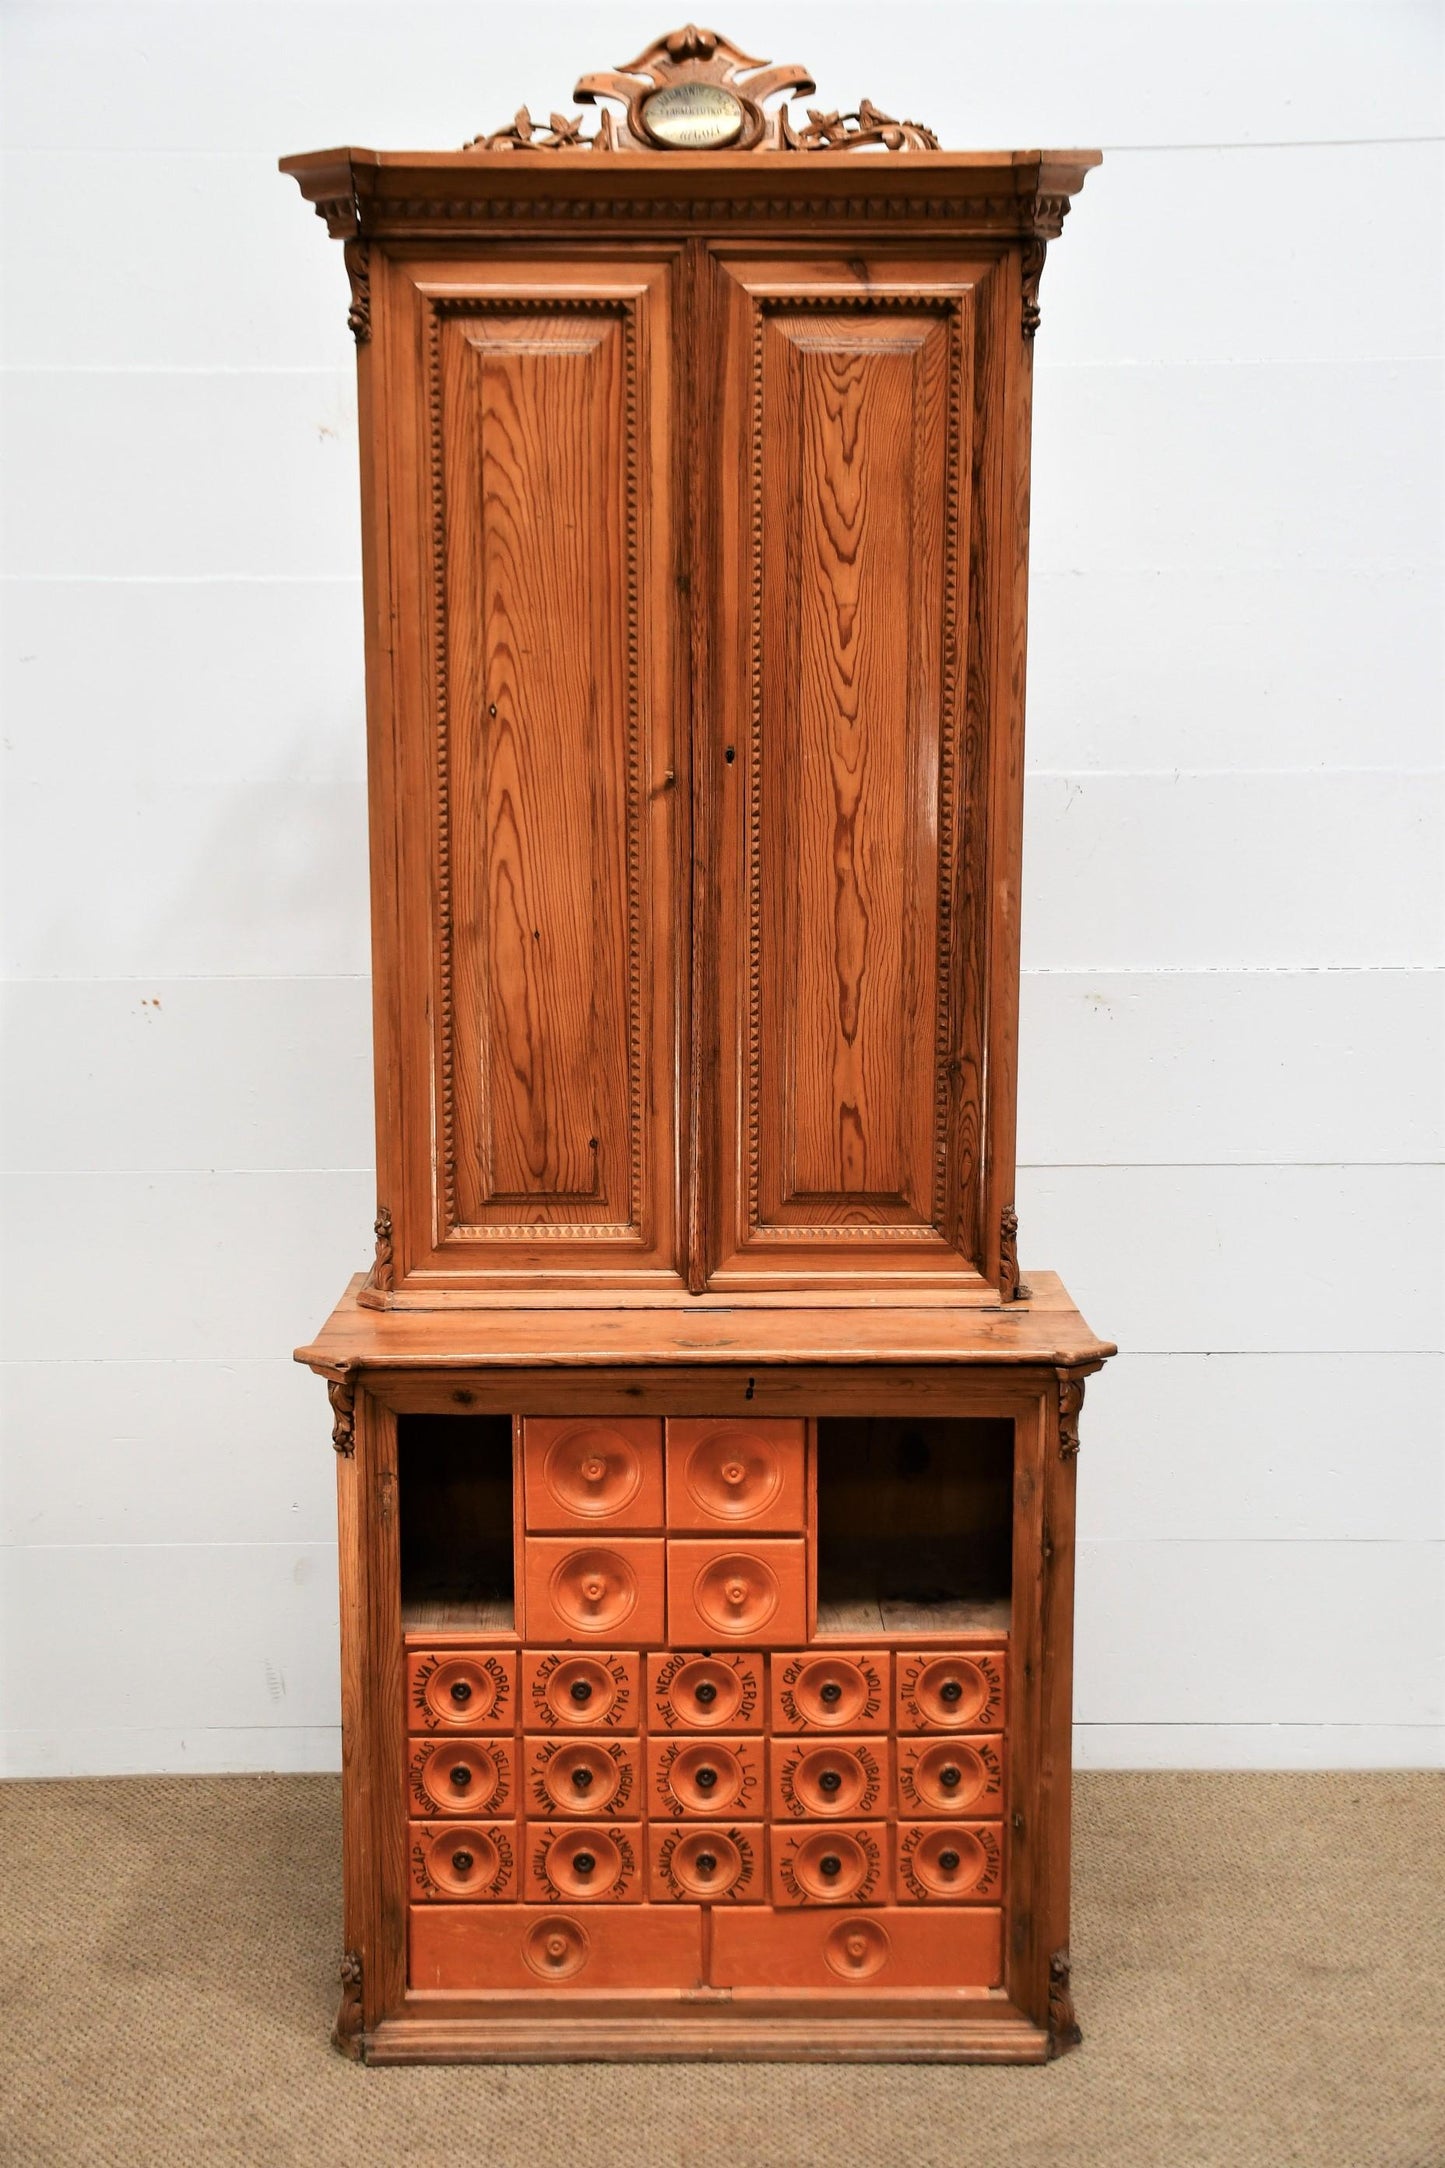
pixel 727 2031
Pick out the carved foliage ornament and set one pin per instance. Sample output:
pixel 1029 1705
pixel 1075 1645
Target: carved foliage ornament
pixel 695 91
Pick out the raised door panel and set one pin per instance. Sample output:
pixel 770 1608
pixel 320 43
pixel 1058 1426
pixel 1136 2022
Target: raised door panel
pixel 849 736
pixel 537 915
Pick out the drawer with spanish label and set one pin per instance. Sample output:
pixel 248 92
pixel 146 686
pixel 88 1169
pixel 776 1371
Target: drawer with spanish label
pixel 461 1776
pixel 951 1776
pixel 836 1690
pixel 583 1862
pixel 703 1863
pixel 462 1862
pixel 563 1690
pixel 816 1778
pixel 461 1689
pixel 704 1776
pixel 722 1691
pixel 834 1865
pixel 958 1691
pixel 949 1862
pixel 580 1776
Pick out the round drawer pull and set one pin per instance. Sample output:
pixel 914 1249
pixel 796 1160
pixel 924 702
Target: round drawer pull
pixel 950 1690
pixel 706 1863
pixel 734 1472
pixel 463 1862
pixel 461 1776
pixel 706 1779
pixel 830 1780
pixel 581 1690
pixel 951 1777
pixel 583 1862
pixel 461 1693
pixel 706 1693
pixel 949 1862
pixel 831 1692
pixel 581 1780
pixel 830 1864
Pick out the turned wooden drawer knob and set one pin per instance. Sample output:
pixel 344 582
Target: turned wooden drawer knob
pixel 706 1693
pixel 830 1780
pixel 706 1779
pixel 462 1861
pixel 736 1591
pixel 581 1780
pixel 950 1690
pixel 734 1472
pixel 594 1467
pixel 461 1776
pixel 706 1863
pixel 461 1693
pixel 948 1861
pixel 830 1864
pixel 581 1690
pixel 832 1693
pixel 950 1778
pixel 583 1862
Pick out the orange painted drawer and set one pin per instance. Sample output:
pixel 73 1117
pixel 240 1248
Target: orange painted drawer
pixel 814 1779
pixel 565 1691
pixel 950 1776
pixel 462 1862
pixel 581 1776
pixel 838 1864
pixel 949 1862
pixel 498 1949
pixel 461 1689
pixel 720 1692
pixel 737 1591
pixel 704 1776
pixel 592 1472
pixel 461 1776
pixel 583 1862
pixel 703 1864
pixel 610 1590
pixel 724 1474
pixel 881 1949
pixel 961 1691
pixel 842 1690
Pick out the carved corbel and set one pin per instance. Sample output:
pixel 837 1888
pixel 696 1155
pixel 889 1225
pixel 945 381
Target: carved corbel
pixel 1071 1400
pixel 1064 2030
pixel 1047 223
pixel 382 1274
pixel 356 255
pixel 1011 1287
pixel 341 1392
pixel 346 2038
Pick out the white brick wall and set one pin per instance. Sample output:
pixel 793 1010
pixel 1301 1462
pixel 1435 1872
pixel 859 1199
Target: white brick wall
pixel 1232 1077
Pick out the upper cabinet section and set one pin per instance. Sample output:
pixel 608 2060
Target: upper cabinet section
pixel 694 454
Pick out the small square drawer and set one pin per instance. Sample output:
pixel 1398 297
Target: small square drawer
pixel 610 1590
pixel 462 1862
pixel 951 1776
pixel 592 1472
pixel 705 1776
pixel 949 1862
pixel 719 1692
pixel 567 1690
pixel 755 1591
pixel 472 1948
pixel 584 1862
pixel 838 1864
pixel 836 1690
pixel 705 1864
pixel 867 1950
pixel 951 1690
pixel 461 1776
pixel 461 1689
pixel 727 1473
pixel 819 1779
pixel 581 1776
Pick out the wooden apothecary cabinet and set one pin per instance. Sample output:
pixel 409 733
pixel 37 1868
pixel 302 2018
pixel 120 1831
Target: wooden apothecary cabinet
pixel 706 1471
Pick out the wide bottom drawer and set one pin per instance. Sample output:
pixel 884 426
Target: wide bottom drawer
pixel 880 1948
pixel 493 1948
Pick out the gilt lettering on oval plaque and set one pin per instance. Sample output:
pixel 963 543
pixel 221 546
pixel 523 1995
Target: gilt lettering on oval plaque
pixel 692 117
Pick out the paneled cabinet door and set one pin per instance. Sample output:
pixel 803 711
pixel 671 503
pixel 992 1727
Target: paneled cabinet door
pixel 861 735
pixel 527 954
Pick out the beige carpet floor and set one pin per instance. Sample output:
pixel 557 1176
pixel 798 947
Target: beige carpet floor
pixel 1259 1963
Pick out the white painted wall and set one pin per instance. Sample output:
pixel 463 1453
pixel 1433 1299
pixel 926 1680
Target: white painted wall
pixel 1232 1106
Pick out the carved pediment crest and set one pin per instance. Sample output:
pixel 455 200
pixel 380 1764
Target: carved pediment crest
pixel 695 90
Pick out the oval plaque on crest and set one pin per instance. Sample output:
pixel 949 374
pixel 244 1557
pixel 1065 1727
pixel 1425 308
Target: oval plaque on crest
pixel 692 116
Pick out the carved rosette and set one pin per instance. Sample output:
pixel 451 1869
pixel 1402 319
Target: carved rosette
pixel 1064 2030
pixel 1071 1400
pixel 341 1392
pixel 695 90
pixel 346 2038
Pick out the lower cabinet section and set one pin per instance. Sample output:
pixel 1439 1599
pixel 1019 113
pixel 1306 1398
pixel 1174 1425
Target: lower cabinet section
pixel 496 1948
pixel 876 1949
